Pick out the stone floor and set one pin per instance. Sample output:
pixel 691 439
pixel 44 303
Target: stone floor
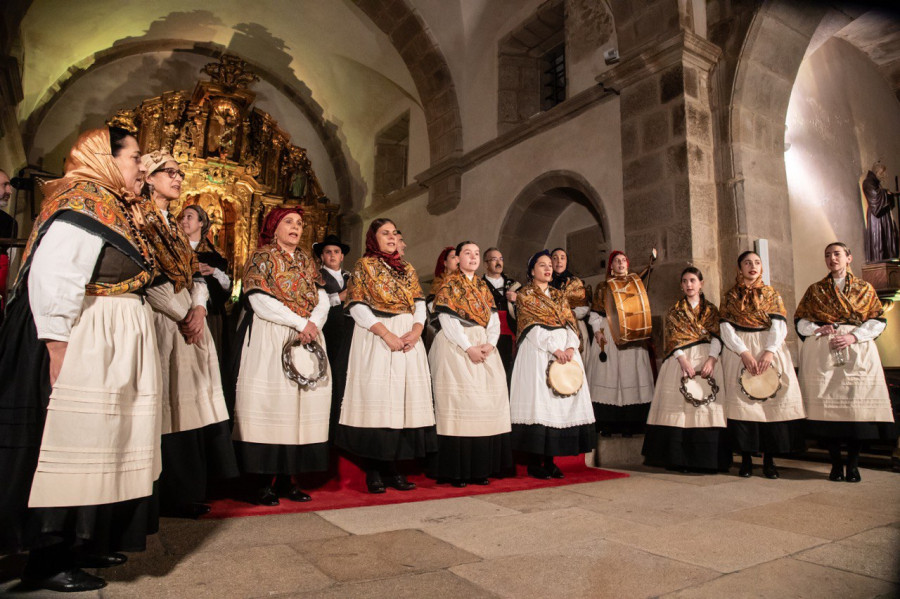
pixel 652 534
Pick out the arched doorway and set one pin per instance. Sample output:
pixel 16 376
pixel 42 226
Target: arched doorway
pixel 557 209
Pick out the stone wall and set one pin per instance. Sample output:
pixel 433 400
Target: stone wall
pixel 752 198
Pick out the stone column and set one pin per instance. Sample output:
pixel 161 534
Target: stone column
pixel 668 167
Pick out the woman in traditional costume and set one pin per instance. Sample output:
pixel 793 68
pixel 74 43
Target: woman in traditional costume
pixel 213 269
pixel 622 386
pixel 753 329
pixel 471 400
pixel 80 399
pixel 281 429
pixel 447 263
pixel 841 375
pixel 544 424
pixel 681 435
pixel 196 442
pixel 387 413
pixel 577 294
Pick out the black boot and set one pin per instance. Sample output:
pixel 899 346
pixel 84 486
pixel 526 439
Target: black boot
pixel 746 465
pixel 53 568
pixel 769 469
pixel 853 448
pixel 837 464
pixel 536 470
pixel 552 469
pixel 373 481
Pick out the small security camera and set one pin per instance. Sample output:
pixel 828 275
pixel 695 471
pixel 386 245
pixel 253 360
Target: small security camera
pixel 611 56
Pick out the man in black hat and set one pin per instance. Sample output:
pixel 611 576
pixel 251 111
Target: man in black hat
pixel 338 328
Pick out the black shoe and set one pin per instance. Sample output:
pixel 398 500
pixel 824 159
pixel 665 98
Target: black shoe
pixel 195 510
pixel 459 484
pixel 538 472
pixel 399 482
pixel 374 483
pixel 837 474
pixel 75 580
pixel 746 469
pixel 295 494
pixel 770 471
pixel 605 434
pixel 100 560
pixel 555 472
pixel 853 475
pixel 480 481
pixel 267 496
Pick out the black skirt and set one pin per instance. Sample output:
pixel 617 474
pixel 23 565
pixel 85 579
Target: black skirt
pixel 766 437
pixel 266 458
pixel 465 458
pixel 24 395
pixel 387 444
pixel 703 449
pixel 850 431
pixel 544 440
pixel 621 419
pixel 190 459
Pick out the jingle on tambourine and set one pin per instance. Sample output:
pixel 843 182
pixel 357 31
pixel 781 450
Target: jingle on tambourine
pixel 306 383
pixel 699 391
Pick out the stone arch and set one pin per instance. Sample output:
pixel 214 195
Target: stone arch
pixel 349 197
pixel 535 210
pixel 752 201
pixel 434 82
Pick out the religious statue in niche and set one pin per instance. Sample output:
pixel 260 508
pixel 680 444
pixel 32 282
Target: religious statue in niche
pixel 223 130
pixel 882 241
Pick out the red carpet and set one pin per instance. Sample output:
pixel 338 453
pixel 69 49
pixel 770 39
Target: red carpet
pixel 348 489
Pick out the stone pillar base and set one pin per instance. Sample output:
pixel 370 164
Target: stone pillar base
pixel 616 452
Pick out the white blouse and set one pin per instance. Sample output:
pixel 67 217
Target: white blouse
pixel 62 265
pixel 774 338
pixel 271 309
pixel 364 317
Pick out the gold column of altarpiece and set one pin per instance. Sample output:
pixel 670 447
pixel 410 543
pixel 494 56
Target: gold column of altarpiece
pixel 238 164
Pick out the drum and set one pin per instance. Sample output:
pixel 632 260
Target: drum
pixel 565 380
pixel 699 391
pixel 628 309
pixel 320 360
pixel 762 386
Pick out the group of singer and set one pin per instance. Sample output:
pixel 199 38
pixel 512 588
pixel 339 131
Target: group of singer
pixel 125 391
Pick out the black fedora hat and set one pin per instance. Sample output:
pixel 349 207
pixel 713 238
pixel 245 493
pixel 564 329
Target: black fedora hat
pixel 318 248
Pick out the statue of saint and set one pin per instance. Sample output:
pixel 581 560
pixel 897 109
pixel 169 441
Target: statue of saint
pixel 882 242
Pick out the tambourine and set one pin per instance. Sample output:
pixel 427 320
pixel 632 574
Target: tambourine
pixel 699 391
pixel 287 364
pixel 760 387
pixel 564 380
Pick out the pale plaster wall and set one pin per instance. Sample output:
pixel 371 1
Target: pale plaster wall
pixel 92 99
pixel 841 118
pixel 588 144
pixel 330 51
pixel 469 35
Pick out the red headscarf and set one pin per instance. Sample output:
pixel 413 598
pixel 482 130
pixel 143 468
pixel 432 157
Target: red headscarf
pixel 267 233
pixel 610 261
pixel 440 268
pixel 393 260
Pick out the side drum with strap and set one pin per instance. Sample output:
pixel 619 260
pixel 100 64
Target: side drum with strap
pixel 628 309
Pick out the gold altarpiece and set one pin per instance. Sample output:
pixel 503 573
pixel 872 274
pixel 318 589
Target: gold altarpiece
pixel 238 164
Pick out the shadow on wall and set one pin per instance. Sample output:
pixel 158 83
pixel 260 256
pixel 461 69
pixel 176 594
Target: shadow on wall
pixel 173 73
